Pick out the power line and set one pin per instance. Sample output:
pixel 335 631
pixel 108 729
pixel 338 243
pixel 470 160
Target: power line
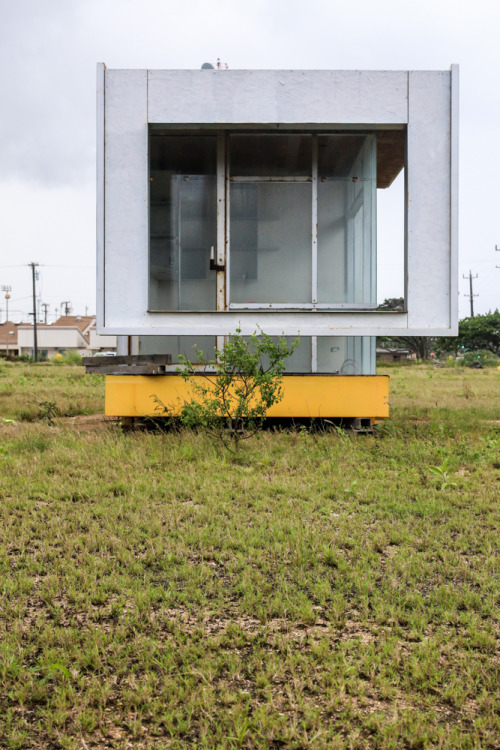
pixel 47 265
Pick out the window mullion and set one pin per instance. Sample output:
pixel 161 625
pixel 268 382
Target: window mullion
pixel 314 223
pixel 314 354
pixel 220 252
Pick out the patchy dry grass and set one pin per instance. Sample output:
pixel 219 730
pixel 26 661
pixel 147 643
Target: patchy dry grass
pixel 317 591
pixel 31 391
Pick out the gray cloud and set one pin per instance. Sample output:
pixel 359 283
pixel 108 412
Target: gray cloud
pixel 43 135
pixel 49 49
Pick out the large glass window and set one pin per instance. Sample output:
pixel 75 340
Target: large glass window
pixel 336 355
pixel 346 355
pixel 186 346
pixel 346 220
pixel 270 243
pixel 183 226
pixel 293 215
pixel 289 220
pixel 302 229
pixel 271 155
pixel 270 219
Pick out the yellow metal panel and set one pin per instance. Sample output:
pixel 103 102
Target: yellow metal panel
pixel 304 395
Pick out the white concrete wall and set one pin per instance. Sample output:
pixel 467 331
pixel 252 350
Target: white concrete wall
pixel 53 337
pixel 96 341
pixel 277 96
pixel 424 102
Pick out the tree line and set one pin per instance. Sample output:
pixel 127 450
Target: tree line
pixel 482 332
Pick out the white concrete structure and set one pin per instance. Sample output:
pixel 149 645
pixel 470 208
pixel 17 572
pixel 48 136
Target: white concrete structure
pixel 70 333
pixel 101 343
pixel 279 275
pixel 52 340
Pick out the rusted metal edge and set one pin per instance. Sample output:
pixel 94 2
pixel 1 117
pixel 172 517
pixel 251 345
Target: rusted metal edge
pixel 131 364
pixel 128 359
pixel 127 369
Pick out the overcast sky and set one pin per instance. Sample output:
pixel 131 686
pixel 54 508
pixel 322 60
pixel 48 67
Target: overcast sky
pixel 48 53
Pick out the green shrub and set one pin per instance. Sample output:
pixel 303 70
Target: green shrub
pixel 232 393
pixel 482 357
pixel 68 358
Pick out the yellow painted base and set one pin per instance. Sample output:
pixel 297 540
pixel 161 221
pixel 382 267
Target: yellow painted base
pixel 364 396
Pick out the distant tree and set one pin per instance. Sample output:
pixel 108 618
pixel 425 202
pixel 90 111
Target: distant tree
pixel 479 332
pixel 392 303
pixel 419 345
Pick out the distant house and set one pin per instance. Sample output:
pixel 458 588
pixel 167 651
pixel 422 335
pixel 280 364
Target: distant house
pixel 99 343
pixel 75 333
pixel 394 355
pixel 8 339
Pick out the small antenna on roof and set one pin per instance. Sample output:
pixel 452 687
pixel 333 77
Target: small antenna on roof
pixel 220 65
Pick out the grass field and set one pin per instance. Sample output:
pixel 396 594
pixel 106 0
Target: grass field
pixel 318 590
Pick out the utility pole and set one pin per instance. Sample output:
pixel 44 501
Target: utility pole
pixel 470 295
pixel 45 306
pixel 35 340
pixel 67 307
pixel 7 289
